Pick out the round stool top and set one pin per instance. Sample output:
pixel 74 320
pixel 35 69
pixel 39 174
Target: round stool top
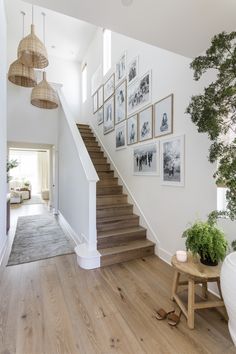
pixel 194 268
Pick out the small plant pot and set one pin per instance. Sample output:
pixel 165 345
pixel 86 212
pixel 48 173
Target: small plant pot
pixel 208 261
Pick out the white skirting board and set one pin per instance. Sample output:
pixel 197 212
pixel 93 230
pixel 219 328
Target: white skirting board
pixel 86 258
pixel 3 250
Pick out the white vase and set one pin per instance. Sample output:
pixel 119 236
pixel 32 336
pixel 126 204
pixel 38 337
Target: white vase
pixel 228 286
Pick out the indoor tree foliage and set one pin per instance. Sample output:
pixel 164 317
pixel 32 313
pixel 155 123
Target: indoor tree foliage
pixel 214 112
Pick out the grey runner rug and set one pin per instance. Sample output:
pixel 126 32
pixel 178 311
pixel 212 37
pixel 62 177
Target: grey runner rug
pixel 38 237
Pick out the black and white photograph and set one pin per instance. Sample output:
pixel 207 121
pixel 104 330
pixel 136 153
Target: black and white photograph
pixel 121 68
pixel 133 70
pixel 120 136
pixel 100 116
pixel 145 124
pixel 172 161
pixel 109 122
pixel 163 116
pixel 100 97
pixel 132 130
pixel 120 103
pixel 139 93
pixel 109 87
pixel 95 102
pixel 145 159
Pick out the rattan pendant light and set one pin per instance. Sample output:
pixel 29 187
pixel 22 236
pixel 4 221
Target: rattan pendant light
pixel 43 95
pixel 19 74
pixel 31 51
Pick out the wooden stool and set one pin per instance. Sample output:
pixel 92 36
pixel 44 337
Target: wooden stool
pixel 196 273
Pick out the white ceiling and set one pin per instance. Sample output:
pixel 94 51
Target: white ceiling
pixel 181 26
pixel 69 36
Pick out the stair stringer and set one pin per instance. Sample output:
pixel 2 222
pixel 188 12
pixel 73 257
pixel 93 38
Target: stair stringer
pixel 151 235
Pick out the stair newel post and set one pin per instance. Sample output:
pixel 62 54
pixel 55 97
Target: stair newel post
pixel 92 240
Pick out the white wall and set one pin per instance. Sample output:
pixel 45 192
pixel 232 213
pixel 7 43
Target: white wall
pixel 169 210
pixel 27 123
pixel 3 117
pixel 73 184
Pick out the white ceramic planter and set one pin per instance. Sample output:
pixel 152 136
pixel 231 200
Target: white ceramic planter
pixel 228 285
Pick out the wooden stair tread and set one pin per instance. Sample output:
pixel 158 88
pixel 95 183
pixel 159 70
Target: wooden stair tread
pixel 127 230
pixel 129 246
pixel 110 206
pixel 116 218
pixel 111 195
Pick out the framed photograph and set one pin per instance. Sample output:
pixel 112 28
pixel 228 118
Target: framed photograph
pixel 109 122
pixel 109 87
pixel 163 116
pixel 120 103
pixel 145 159
pixel 139 93
pixel 95 103
pixel 133 70
pixel 172 161
pixel 100 116
pixel 121 68
pixel 145 124
pixel 120 136
pixel 96 80
pixel 100 97
pixel 132 130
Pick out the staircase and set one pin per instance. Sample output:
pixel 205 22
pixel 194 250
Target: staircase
pixel 120 237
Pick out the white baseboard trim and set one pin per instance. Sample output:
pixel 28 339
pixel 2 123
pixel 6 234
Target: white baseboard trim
pixel 68 229
pixel 3 250
pixel 164 255
pixel 151 235
pixel 87 259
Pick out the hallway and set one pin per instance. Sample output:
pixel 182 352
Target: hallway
pixel 53 306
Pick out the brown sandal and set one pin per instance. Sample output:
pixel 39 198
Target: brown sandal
pixel 161 314
pixel 173 319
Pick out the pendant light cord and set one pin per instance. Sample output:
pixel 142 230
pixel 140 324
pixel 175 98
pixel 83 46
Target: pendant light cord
pixel 32 14
pixel 23 23
pixel 44 15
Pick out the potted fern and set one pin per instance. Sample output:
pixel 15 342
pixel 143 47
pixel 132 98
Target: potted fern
pixel 206 240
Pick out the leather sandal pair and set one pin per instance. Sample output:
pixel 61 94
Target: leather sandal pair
pixel 172 317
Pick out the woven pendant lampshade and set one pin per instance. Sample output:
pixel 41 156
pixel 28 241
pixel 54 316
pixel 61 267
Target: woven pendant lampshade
pixel 44 96
pixel 32 52
pixel 21 75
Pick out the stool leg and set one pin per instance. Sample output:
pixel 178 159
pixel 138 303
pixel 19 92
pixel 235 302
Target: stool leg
pixel 191 301
pixel 175 284
pixel 204 290
pixel 219 288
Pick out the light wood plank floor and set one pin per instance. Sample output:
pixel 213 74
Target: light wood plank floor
pixel 54 307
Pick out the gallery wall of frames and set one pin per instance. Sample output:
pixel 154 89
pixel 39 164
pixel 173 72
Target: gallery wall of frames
pixel 124 103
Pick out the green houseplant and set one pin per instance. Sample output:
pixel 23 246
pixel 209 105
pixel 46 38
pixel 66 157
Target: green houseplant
pixel 214 111
pixel 11 164
pixel 207 240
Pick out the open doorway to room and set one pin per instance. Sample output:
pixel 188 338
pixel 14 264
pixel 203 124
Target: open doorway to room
pixel 30 182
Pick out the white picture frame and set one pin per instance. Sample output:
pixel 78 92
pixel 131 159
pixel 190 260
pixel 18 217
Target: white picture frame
pixel 163 116
pixel 100 97
pixel 145 124
pixel 139 93
pixel 146 159
pixel 95 102
pixel 133 70
pixel 120 136
pixel 109 88
pixel 120 72
pixel 132 130
pixel 109 119
pixel 173 161
pixel 100 115
pixel 121 102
